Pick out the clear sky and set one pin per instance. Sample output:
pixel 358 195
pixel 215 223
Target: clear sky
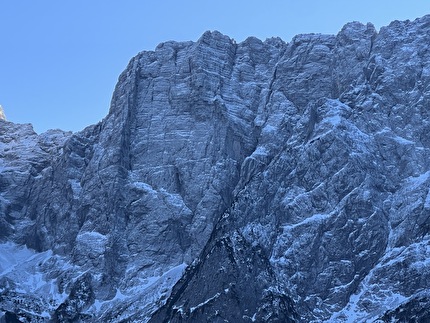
pixel 60 59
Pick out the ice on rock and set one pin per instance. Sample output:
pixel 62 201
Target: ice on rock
pixel 253 181
pixel 25 275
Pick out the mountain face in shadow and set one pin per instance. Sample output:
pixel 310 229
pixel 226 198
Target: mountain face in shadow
pixel 232 182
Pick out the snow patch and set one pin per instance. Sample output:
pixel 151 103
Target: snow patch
pixel 269 129
pixel 314 219
pixel 119 296
pixel 12 255
pixel 352 313
pixel 192 309
pixel 413 182
pixel 151 290
pixel 261 150
pixel 333 120
pixel 383 299
pixel 145 187
pixel 23 266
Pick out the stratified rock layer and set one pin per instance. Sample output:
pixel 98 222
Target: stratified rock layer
pixel 254 181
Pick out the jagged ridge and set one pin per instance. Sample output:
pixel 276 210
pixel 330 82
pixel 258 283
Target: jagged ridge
pixel 291 179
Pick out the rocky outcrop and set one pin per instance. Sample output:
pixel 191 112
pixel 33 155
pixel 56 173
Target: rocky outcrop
pixel 2 115
pixel 253 181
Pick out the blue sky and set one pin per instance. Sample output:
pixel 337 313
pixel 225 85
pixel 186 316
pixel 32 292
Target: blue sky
pixel 60 60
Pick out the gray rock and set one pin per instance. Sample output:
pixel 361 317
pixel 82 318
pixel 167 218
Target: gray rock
pixel 2 115
pixel 254 181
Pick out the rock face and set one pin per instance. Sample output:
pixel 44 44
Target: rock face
pixel 2 115
pixel 239 182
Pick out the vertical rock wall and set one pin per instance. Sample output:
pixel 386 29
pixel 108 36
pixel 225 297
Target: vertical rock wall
pixel 289 179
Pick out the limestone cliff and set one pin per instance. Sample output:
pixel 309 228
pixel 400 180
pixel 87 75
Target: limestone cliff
pixel 240 182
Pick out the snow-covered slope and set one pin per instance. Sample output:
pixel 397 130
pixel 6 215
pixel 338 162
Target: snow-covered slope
pixel 240 182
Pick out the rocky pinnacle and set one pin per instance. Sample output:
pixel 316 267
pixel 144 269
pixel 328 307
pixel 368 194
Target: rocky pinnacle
pixel 2 115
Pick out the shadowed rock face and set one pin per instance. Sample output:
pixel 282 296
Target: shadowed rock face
pixel 254 181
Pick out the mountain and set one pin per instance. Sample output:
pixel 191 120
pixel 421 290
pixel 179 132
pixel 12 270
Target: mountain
pixel 232 182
